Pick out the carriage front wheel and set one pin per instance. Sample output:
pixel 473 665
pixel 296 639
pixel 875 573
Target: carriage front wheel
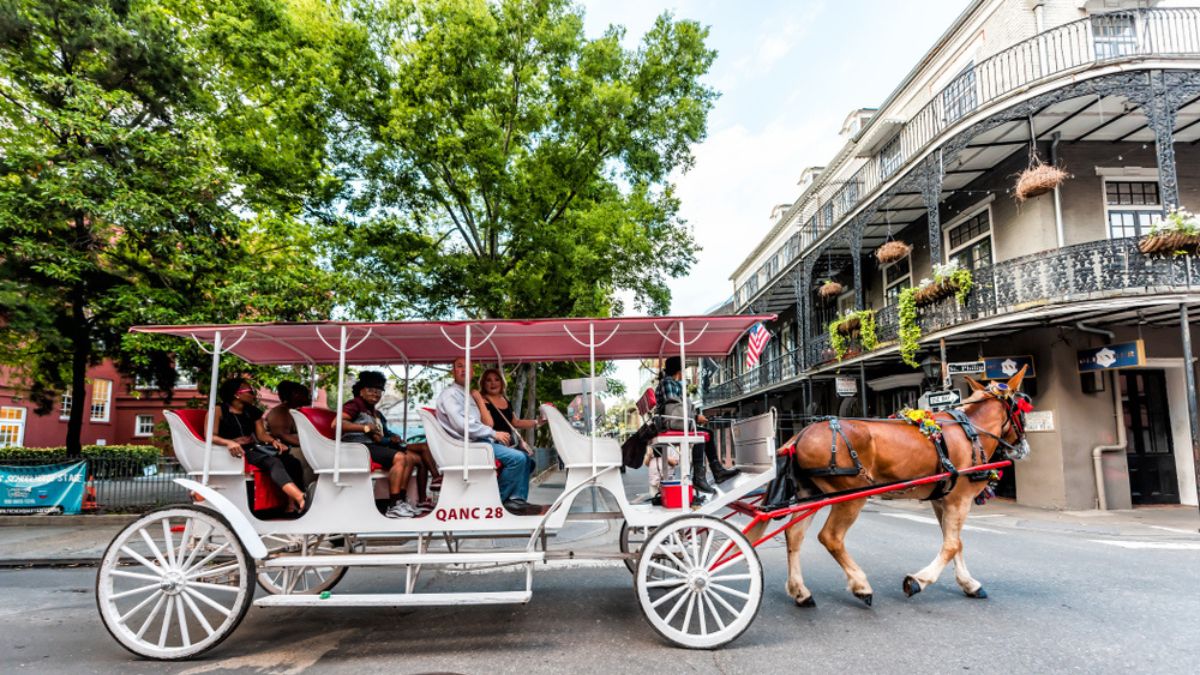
pixel 699 581
pixel 174 583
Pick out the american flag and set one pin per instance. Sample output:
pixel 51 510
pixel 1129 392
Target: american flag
pixel 759 336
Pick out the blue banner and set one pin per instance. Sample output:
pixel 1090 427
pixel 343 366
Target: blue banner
pixel 54 488
pixel 1111 357
pixel 1004 367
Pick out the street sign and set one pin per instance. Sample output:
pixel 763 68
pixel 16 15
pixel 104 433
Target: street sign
pixel 1112 357
pixel 965 367
pixel 1004 367
pixel 846 386
pixel 939 400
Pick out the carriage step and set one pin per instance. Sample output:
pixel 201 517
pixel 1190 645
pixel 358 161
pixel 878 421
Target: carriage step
pixel 358 559
pixel 396 599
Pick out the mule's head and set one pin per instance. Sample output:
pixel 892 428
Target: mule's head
pixel 1013 444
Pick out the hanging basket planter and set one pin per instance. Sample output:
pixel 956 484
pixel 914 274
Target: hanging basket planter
pixel 1170 243
pixel 1038 179
pixel 830 290
pixel 931 293
pixel 849 326
pixel 892 251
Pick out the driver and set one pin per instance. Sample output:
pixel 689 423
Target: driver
pixel 515 465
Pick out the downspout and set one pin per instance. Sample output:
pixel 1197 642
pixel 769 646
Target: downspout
pixel 1119 415
pixel 1058 219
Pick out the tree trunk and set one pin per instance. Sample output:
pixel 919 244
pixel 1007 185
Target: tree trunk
pixel 80 351
pixel 519 394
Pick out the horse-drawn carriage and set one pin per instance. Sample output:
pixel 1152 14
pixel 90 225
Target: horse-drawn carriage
pixel 177 581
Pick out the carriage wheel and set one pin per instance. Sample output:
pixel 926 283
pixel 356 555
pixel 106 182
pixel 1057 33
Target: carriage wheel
pixel 631 541
pixel 303 580
pixel 174 583
pixel 709 591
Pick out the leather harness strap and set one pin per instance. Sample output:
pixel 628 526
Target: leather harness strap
pixel 835 432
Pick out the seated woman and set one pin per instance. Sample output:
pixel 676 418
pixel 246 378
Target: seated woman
pixel 362 423
pixel 279 422
pixel 497 413
pixel 240 428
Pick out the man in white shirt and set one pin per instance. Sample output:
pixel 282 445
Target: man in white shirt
pixel 515 465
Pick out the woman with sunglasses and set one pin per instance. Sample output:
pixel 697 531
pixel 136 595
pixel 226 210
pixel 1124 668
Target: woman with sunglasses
pixel 240 428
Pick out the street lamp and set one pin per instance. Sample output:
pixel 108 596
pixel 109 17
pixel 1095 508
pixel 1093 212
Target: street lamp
pixel 932 367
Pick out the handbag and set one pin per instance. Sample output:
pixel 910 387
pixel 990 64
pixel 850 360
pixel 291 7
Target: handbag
pixel 266 449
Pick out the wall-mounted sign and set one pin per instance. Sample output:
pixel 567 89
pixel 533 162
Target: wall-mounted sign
pixel 1004 367
pixel 846 386
pixel 1039 420
pixel 965 367
pixel 1112 357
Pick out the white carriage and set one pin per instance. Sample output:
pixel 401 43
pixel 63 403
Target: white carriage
pixel 177 581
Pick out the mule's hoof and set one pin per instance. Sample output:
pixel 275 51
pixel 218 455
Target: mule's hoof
pixel 980 594
pixel 911 586
pixel 807 602
pixel 865 597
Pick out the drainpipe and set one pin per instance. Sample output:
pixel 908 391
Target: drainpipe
pixel 1099 450
pixel 1058 219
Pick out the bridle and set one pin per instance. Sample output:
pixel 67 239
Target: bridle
pixel 1016 404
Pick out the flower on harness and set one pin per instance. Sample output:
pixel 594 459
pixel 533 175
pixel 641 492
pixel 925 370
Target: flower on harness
pixel 923 420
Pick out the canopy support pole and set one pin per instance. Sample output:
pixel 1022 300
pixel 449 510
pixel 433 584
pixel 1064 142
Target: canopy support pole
pixel 406 402
pixel 591 385
pixel 685 441
pixel 212 406
pixel 466 436
pixel 337 409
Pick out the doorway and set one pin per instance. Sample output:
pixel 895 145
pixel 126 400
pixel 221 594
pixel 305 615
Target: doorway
pixel 1149 450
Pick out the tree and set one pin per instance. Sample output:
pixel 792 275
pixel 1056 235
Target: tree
pixel 513 167
pixel 124 196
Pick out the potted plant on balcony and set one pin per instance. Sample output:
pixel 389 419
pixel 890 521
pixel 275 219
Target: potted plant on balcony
pixel 1039 178
pixel 892 251
pixel 948 279
pixel 829 289
pixel 854 325
pixel 1177 234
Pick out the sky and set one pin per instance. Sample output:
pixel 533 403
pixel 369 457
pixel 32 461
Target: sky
pixel 788 74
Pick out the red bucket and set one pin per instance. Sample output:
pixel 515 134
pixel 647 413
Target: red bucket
pixel 671 494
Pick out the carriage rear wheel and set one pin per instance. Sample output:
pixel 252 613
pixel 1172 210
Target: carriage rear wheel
pixel 303 580
pixel 174 583
pixel 631 541
pixel 699 581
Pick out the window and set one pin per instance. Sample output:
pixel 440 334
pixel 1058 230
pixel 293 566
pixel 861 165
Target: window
pixel 1114 35
pixel 12 427
pixel 66 407
pixel 143 425
pixel 828 214
pixel 958 98
pixel 1132 207
pixel 847 197
pixel 970 242
pixel 896 277
pixel 101 400
pixel 889 157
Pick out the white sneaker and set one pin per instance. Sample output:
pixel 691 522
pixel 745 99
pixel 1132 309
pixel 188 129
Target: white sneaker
pixel 401 510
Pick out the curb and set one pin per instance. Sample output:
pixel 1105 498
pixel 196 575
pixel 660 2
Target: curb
pixel 68 521
pixel 41 563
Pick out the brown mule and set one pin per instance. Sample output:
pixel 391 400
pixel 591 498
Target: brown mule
pixel 888 451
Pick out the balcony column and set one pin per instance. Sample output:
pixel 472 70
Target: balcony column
pixel 1160 113
pixel 856 237
pixel 803 291
pixel 930 180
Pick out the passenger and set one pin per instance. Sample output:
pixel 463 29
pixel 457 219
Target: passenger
pixel 279 422
pixel 515 465
pixel 497 413
pixel 362 423
pixel 670 394
pixel 240 428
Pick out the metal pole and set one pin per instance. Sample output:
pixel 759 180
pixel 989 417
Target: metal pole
pixel 312 378
pixel 685 455
pixel 406 390
pixel 1190 379
pixel 337 409
pixel 945 366
pixel 466 439
pixel 862 387
pixel 212 406
pixel 591 407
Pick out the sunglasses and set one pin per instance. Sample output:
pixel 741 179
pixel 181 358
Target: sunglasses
pixel 245 390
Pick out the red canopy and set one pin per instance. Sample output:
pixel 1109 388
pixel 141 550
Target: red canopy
pixel 512 341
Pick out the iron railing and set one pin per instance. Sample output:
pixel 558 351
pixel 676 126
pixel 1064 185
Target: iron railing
pixel 125 485
pixel 1099 39
pixel 1102 269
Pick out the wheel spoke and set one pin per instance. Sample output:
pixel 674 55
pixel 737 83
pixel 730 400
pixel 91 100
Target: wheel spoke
pixel 207 600
pixel 666 583
pixel 694 542
pixel 208 557
pixel 671 615
pixel 138 607
pixel 687 615
pixel 703 611
pixel 731 577
pixel 724 603
pixel 168 541
pixel 214 571
pixel 154 548
pixel 183 542
pixel 133 591
pixel 200 546
pixel 135 575
pixel 664 568
pixel 667 596
pixel 704 561
pixel 213 587
pixel 198 614
pixel 183 629
pixel 675 559
pixel 166 624
pixel 713 608
pixel 734 592
pixel 141 559
pixel 162 597
pixel 737 556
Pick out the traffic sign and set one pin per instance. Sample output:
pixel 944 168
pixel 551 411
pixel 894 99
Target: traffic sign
pixel 966 367
pixel 939 400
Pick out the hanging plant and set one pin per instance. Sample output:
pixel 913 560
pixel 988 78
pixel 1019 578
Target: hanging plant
pixel 860 325
pixel 949 279
pixel 830 289
pixel 1177 234
pixel 910 330
pixel 1039 178
pixel 892 251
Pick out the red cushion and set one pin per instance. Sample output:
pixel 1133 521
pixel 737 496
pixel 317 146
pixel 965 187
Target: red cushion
pixel 376 466
pixel 193 419
pixel 321 418
pixel 671 434
pixel 267 495
pixel 647 402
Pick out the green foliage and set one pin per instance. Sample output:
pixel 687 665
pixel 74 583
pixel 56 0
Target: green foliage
pixel 107 461
pixel 910 330
pixel 840 343
pixel 867 335
pixel 514 167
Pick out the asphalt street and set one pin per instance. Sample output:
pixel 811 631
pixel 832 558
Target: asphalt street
pixel 1060 601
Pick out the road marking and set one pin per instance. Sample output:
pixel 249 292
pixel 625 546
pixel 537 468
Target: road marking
pixel 986 515
pixel 1163 545
pixel 291 659
pixel 1172 529
pixel 933 521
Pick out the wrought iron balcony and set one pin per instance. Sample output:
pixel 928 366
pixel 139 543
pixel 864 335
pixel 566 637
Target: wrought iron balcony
pixel 1098 270
pixel 1100 39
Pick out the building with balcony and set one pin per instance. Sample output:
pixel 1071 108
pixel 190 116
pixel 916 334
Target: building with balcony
pixel 1107 90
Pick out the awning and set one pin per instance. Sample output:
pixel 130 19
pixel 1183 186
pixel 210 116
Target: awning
pixel 510 341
